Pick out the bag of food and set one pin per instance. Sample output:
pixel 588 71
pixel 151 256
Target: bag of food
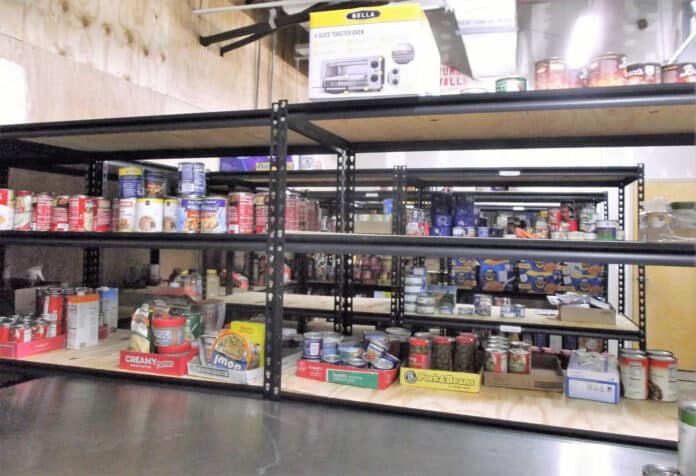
pixel 140 330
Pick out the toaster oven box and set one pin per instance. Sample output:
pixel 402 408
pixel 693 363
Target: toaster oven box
pixel 372 51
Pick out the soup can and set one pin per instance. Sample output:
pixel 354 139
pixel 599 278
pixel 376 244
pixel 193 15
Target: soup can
pixel 511 84
pixel 7 208
pixel 576 77
pixel 634 375
pixel 644 73
pixel 126 214
pixel 496 360
pixel 42 212
pixel 240 213
pixel 130 182
pixel 261 201
pixel 188 217
pixel 17 332
pixel 192 179
pixel 550 73
pixel 312 345
pixel 59 213
pixel 356 362
pixel 102 215
pixel 149 214
pixel 169 213
pixel 687 437
pixel 155 184
pixel 292 206
pixel 114 214
pixel 607 70
pixel 679 73
pixel 663 378
pixel 81 213
pixel 5 331
pixel 213 215
pixel 519 361
pixel 22 210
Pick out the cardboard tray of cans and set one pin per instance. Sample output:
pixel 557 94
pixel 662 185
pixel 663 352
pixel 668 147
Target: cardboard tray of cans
pixel 247 377
pixel 545 374
pixel 161 364
pixel 18 350
pixel 341 374
pixel 441 380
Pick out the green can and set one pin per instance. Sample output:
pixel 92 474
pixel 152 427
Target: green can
pixel 511 84
pixel 192 328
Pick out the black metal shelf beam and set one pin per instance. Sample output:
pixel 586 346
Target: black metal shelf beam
pixel 480 197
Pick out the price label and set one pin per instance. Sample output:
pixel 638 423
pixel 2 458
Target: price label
pixel 511 329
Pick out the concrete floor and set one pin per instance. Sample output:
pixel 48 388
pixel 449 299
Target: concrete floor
pixel 75 426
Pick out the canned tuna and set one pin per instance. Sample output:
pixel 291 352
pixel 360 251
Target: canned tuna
pixel 22 210
pixel 81 213
pixel 213 215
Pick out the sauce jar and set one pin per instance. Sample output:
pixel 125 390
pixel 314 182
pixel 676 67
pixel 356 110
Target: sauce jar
pixel 419 353
pixel 168 330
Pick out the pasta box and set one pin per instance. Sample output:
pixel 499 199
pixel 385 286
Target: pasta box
pixel 340 374
pixel 18 350
pixel 161 364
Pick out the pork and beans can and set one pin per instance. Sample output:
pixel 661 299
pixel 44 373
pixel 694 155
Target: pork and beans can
pixel 192 179
pixel 22 210
pixel 240 213
pixel 102 215
pixel 59 213
pixel 679 73
pixel 634 375
pixel 214 215
pixel 169 213
pixel 550 73
pixel 81 213
pixel 188 218
pixel 7 208
pixel 261 201
pixel 126 215
pixel 131 182
pixel 148 214
pixel 155 184
pixel 42 212
pixel 663 384
pixel 644 73
pixel 607 70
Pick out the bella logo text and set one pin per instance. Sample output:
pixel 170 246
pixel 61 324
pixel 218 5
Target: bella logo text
pixel 362 15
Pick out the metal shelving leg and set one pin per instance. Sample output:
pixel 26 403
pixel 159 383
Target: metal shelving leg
pixel 348 205
pixel 96 178
pixel 622 267
pixel 4 181
pixel 229 264
pixel 340 265
pixel 642 291
pixel 276 251
pixel 398 277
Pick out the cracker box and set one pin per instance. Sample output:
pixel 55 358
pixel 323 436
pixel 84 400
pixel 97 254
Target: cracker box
pixel 538 277
pixel 465 273
pixel 83 321
pixel 372 51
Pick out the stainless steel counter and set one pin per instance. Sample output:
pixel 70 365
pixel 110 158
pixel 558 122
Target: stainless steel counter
pixel 77 426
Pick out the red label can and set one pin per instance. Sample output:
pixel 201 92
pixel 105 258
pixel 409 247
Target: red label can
pixel 43 212
pixel 59 213
pixel 572 225
pixel 554 216
pixel 7 207
pixel 496 360
pixel 5 332
pixel 261 212
pixel 607 70
pixel 54 313
pixel 17 333
pixel 39 329
pixel 550 73
pixel 81 213
pixel 23 210
pixel 102 215
pixel 292 208
pixel 644 73
pixel 240 213
pixel 679 73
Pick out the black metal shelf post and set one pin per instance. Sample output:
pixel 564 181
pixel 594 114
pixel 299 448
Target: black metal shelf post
pixel 4 181
pixel 398 277
pixel 642 294
pixel 96 178
pixel 348 205
pixel 275 248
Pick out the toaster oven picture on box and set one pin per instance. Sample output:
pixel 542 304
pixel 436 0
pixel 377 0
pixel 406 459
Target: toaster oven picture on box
pixel 377 51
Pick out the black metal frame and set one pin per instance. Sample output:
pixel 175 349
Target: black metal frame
pixel 398 277
pixel 96 179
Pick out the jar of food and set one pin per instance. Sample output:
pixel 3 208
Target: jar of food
pixel 419 353
pixel 442 353
pixel 397 340
pixel 519 361
pixel 465 353
pixel 168 330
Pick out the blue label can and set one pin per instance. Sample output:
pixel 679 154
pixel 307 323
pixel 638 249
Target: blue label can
pixel 312 345
pixel 192 178
pixel 214 215
pixel 482 231
pixel 388 206
pixel 131 182
pixel 188 215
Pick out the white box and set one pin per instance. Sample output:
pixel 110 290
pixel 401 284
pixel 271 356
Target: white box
pixel 83 321
pixel 593 376
pixel 108 306
pixel 372 51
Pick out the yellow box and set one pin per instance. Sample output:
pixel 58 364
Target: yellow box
pixel 255 332
pixel 440 380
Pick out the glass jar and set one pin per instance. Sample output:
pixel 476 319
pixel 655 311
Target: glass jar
pixel 442 353
pixel 465 353
pixel 397 339
pixel 419 353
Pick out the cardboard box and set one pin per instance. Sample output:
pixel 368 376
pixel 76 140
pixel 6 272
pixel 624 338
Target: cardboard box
pixel 545 375
pixel 247 377
pixel 340 374
pixel 108 306
pixel 83 321
pixel 155 363
pixel 593 376
pixel 571 313
pixel 18 350
pixel 255 332
pixel 441 380
pixel 372 51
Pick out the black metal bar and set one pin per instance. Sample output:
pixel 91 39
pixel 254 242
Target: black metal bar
pixel 275 248
pixel 229 265
pixel 4 183
pixel 96 179
pixel 331 141
pixel 340 264
pixel 348 291
pixel 642 278
pixel 622 268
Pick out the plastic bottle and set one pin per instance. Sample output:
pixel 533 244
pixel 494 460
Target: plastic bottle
pixel 212 284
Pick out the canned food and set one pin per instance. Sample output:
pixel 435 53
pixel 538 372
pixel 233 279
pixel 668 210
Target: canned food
pixel 644 73
pixel 169 212
pixel 658 352
pixel 550 73
pixel 333 359
pixel 519 361
pixel 261 201
pixel 54 312
pixel 419 353
pixel 511 84
pixel 383 364
pixel 659 470
pixel 5 331
pixel 576 77
pixel 687 437
pixel 213 215
pixel 312 345
pixel 22 210
pixel 302 213
pixel 42 212
pixel 102 219
pixel 634 375
pixel 17 332
pixel 149 214
pixel 482 304
pixel 520 310
pixel 663 378
pixel 39 329
pixel 80 213
pixel 155 184
pixel 240 213
pixel 292 205
pixel 607 70
pixel 7 208
pixel 192 179
pixel 679 73
pixel 496 360
pixel 126 214
pixel 374 350
pixel 356 362
pixel 329 345
pixel 130 182
pixel 114 215
pixel 348 350
pixel 188 218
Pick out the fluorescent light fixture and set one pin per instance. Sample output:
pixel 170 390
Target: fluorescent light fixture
pixel 509 173
pixel 371 194
pixel 518 209
pixel 584 41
